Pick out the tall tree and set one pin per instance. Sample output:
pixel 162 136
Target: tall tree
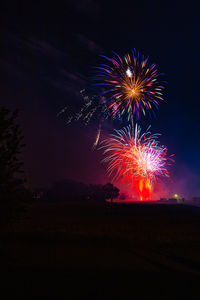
pixel 10 148
pixel 110 191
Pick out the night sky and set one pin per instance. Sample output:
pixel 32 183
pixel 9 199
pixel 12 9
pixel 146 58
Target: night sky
pixel 46 58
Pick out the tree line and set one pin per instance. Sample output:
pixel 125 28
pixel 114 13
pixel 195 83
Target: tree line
pixel 70 190
pixel 12 179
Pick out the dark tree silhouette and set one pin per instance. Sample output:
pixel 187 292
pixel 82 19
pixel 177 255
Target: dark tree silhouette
pixel 110 191
pixel 66 190
pixel 10 148
pixel 101 192
pixel 70 190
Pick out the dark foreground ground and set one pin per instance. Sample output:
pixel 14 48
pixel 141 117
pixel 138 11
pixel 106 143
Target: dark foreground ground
pixel 95 251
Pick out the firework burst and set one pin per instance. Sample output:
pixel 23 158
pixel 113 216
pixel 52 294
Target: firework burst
pixel 130 85
pixel 134 157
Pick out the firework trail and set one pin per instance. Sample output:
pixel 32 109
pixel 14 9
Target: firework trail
pixel 130 86
pixel 136 158
pixel 97 138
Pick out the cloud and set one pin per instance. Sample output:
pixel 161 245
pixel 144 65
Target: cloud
pixel 34 59
pixel 43 47
pixel 87 7
pixel 89 44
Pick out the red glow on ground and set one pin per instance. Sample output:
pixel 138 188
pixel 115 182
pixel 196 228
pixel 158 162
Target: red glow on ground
pixel 132 201
pixel 143 189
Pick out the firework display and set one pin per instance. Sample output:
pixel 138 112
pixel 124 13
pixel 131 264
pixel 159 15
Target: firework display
pixel 130 86
pixel 136 157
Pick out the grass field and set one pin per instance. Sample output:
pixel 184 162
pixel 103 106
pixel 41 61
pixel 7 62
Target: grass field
pixel 76 239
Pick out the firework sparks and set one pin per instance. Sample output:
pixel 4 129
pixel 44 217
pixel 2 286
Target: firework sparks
pixel 61 111
pixel 136 158
pixel 130 85
pixel 89 109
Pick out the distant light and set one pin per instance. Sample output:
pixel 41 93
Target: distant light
pixel 129 73
pixel 175 195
